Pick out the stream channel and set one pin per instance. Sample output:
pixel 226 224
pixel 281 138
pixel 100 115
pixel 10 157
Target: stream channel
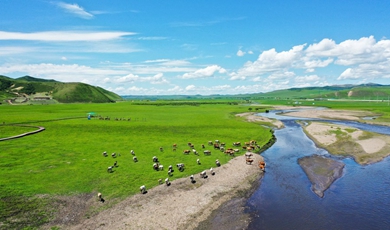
pixel 360 199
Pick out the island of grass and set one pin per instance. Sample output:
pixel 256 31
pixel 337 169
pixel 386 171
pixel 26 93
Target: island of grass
pixel 363 146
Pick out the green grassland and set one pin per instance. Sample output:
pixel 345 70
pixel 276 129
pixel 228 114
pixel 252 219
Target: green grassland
pixel 66 158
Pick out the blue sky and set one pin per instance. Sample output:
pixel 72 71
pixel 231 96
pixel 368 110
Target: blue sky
pixel 154 47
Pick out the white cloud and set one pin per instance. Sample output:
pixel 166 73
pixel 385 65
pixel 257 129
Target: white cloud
pixel 307 78
pixel 64 36
pixel 351 52
pixel 190 88
pixel 13 50
pixel 281 75
pixel 367 72
pixel 131 78
pixel 75 10
pixel 315 63
pixel 240 53
pixel 269 61
pixel 209 71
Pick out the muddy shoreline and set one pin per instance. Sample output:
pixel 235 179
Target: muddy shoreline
pixel 231 215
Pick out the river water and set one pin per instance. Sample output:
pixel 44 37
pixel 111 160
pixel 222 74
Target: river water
pixel 360 199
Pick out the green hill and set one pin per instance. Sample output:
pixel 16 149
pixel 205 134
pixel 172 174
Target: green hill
pixel 32 90
pixel 357 92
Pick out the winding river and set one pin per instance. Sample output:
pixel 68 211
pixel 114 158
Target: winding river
pixel 360 199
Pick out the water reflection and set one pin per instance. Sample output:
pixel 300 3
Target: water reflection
pixel 358 200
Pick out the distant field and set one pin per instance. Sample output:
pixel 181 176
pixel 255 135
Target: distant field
pixel 66 158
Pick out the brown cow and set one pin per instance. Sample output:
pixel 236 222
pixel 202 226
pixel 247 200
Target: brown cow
pixel 249 161
pixel 187 151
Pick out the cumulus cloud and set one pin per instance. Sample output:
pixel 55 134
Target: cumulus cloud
pixel 367 72
pixel 365 59
pixel 351 52
pixel 190 88
pixel 307 78
pixel 75 10
pixel 240 53
pixel 131 78
pixel 269 61
pixel 209 71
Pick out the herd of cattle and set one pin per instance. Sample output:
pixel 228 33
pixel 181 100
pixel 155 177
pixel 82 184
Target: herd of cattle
pixel 217 145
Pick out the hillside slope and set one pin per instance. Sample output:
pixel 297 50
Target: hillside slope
pixel 30 89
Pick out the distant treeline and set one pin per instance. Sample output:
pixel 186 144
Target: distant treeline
pixel 191 103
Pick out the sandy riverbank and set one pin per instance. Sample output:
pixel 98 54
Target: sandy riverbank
pixel 182 205
pixel 364 147
pixel 251 117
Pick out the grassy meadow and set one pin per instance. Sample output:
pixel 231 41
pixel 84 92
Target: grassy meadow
pixel 66 158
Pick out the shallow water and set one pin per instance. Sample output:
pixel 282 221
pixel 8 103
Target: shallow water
pixel 360 199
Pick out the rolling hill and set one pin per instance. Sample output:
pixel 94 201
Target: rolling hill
pixel 369 91
pixel 32 90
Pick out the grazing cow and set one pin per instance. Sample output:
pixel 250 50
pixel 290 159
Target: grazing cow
pixel 236 150
pixel 198 161
pixel 132 152
pixel 180 167
pixel 155 159
pixel 109 169
pixel 216 146
pixel 192 179
pixel 142 189
pixel 212 171
pixel 159 181
pixel 187 151
pixel 170 167
pixel 203 175
pixel 236 143
pixel 100 197
pixel 249 161
pixel 216 141
pixel 189 144
pixel 135 159
pixel 104 154
pixel 113 155
pixel 262 168
pixel 161 167
pixel 174 147
pixel 207 152
pixel 170 172
pixel 167 182
pixel 115 164
pixel 262 165
pixel 203 146
pixel 229 152
pixel 217 163
pixel 248 155
pixel 161 149
pixel 210 143
pixel 155 166
pixel 195 152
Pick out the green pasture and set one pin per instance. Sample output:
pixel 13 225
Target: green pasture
pixel 66 158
